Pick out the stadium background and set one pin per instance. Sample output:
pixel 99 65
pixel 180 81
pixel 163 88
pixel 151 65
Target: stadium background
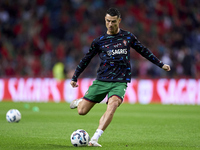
pixel 35 35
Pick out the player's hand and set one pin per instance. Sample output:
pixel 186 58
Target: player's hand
pixel 74 84
pixel 166 67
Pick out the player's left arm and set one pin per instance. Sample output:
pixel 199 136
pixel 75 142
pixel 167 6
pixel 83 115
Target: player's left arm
pixel 145 52
pixel 166 67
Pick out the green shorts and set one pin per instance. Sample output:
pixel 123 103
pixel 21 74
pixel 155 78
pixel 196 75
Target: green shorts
pixel 99 89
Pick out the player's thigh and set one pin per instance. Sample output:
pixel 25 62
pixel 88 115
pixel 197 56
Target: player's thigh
pixel 85 106
pixel 97 91
pixel 118 91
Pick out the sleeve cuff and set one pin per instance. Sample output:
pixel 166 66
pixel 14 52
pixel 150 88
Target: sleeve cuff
pixel 75 80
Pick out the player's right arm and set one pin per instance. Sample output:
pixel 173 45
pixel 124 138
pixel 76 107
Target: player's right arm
pixel 74 84
pixel 84 62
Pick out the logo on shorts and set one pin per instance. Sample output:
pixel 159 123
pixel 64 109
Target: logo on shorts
pixel 86 93
pixel 124 93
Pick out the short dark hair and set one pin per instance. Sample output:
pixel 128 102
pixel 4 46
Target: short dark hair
pixel 113 12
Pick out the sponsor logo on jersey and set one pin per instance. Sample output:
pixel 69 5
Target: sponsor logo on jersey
pixel 107 45
pixel 117 51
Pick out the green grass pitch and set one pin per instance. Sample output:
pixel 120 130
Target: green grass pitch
pixel 134 127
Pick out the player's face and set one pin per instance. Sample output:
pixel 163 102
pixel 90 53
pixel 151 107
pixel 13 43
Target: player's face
pixel 112 24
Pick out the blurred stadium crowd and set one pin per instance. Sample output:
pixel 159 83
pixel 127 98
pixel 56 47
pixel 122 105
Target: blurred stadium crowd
pixel 36 34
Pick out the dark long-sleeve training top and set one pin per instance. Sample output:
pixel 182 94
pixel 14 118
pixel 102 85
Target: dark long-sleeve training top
pixel 114 53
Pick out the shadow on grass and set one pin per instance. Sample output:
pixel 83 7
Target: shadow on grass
pixel 56 146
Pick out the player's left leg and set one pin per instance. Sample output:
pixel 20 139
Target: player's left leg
pixel 115 98
pixel 106 119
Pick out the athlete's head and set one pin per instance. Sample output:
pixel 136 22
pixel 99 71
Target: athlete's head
pixel 112 19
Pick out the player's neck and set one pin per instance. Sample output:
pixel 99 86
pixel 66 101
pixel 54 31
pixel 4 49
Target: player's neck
pixel 117 31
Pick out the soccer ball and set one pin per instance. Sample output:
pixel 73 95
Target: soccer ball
pixel 80 138
pixel 13 115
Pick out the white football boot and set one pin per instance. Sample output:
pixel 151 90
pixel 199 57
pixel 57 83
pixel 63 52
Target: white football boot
pixel 75 103
pixel 94 143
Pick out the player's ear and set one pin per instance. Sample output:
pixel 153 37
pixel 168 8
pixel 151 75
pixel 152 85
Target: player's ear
pixel 120 20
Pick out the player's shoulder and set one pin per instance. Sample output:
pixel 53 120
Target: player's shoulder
pixel 101 37
pixel 128 34
pixel 97 39
pixel 125 32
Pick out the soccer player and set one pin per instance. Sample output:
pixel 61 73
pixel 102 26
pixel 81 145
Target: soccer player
pixel 113 48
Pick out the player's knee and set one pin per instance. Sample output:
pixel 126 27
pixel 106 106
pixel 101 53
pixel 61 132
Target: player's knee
pixel 114 104
pixel 114 101
pixel 84 107
pixel 82 112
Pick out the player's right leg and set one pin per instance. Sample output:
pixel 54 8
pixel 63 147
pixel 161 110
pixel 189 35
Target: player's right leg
pixel 74 103
pixel 95 94
pixel 82 105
